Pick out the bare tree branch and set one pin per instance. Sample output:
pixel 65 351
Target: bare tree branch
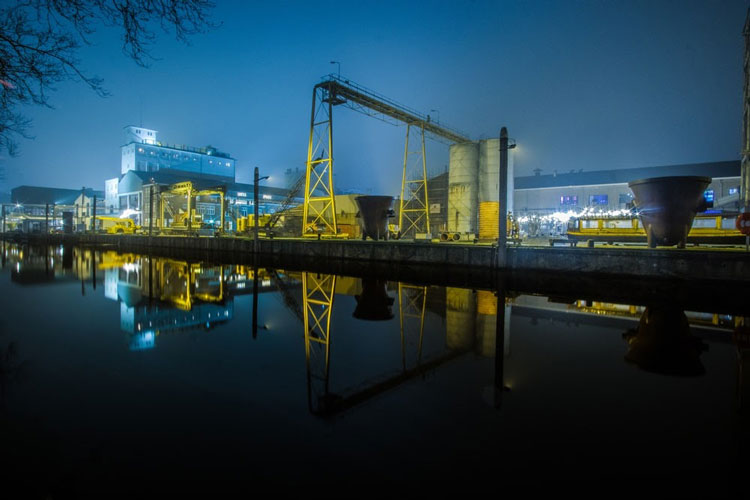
pixel 40 40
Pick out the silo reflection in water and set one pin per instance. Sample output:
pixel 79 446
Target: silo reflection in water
pixel 460 315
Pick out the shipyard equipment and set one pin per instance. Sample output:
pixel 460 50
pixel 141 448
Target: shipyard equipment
pixel 667 206
pixel 319 211
pixel 373 215
pixel 116 225
pixel 706 229
pixel 178 207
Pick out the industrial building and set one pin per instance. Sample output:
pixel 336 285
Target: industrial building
pixel 134 192
pixel 608 190
pixel 34 208
pixel 142 152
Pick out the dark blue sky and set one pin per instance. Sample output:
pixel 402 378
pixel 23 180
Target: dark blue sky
pixel 580 84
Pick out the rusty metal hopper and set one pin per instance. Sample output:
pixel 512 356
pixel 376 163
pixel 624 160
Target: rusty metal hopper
pixel 667 206
pixel 373 215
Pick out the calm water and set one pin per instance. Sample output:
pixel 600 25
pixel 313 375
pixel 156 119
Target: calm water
pixel 126 371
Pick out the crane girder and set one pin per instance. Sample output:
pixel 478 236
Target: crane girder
pixel 345 92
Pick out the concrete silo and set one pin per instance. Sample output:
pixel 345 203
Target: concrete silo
pixel 488 185
pixel 462 187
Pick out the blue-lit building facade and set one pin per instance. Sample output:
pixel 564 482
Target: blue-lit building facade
pixel 147 162
pixel 142 152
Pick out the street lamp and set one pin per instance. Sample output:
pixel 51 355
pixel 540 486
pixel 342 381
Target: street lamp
pixel 256 180
pixel 339 65
pixel 438 114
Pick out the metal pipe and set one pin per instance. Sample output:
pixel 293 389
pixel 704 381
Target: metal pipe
pixel 151 209
pixel 46 218
pixel 93 220
pixel 221 199
pixel 256 179
pixel 502 235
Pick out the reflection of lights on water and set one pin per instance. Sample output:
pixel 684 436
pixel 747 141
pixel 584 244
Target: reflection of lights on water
pixel 265 283
pixel 240 285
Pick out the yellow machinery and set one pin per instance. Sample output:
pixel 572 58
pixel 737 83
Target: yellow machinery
pixel 186 219
pixel 180 282
pixel 706 229
pixel 116 225
pixel 319 210
pixel 246 224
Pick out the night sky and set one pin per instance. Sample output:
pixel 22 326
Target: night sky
pixel 580 84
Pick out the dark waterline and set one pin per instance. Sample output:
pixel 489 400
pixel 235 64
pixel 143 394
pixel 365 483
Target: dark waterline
pixel 126 370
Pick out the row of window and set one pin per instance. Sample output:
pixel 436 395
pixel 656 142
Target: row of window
pixel 603 199
pixel 176 156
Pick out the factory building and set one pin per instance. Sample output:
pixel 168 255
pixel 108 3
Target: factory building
pixel 134 192
pixel 142 152
pixel 37 209
pixel 608 190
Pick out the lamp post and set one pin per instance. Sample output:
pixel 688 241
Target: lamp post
pixel 438 114
pixel 503 199
pixel 151 208
pixel 256 180
pixel 339 66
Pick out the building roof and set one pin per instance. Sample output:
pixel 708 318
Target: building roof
pixel 622 176
pixel 36 195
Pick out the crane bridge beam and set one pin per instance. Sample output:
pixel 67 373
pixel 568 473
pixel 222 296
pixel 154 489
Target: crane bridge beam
pixel 348 93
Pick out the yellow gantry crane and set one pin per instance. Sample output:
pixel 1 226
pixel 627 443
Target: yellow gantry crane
pixel 187 220
pixel 318 291
pixel 412 300
pixel 319 211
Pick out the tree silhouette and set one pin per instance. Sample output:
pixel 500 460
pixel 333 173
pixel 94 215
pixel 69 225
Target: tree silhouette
pixel 40 39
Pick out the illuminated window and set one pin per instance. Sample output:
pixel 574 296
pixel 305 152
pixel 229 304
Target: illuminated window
pixel 569 200
pixel 734 190
pixel 708 194
pixel 598 199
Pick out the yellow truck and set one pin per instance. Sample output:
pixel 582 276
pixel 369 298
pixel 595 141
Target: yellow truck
pixel 115 225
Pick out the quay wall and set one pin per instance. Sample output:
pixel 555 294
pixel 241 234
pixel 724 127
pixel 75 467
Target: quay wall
pixel 694 264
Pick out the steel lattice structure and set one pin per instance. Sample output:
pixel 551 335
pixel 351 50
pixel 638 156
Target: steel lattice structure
pixel 319 212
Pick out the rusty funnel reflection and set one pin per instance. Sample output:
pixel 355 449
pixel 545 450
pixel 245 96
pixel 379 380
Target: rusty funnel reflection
pixel 373 215
pixel 662 343
pixel 374 303
pixel 667 206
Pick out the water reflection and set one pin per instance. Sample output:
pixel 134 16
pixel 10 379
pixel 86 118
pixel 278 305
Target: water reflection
pixel 160 296
pixel 662 343
pixel 419 370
